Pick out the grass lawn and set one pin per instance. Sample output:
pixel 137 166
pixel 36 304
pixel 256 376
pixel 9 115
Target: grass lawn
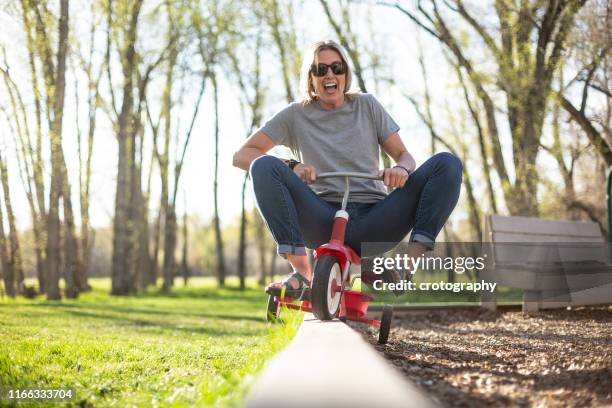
pixel 195 346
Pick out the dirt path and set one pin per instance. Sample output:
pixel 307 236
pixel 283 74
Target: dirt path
pixel 476 358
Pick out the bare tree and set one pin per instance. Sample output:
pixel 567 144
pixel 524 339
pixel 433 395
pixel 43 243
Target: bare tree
pixel 209 31
pixel 252 96
pixel 159 219
pixel 280 23
pixel 524 73
pixel 31 158
pixel 343 29
pixel 58 169
pixel 170 225
pixel 591 51
pixel 130 225
pixel 427 118
pixel 483 147
pixel 85 147
pixel 10 262
pixel 166 207
pixel 221 268
pixel 347 38
pixel 121 282
pixel 7 273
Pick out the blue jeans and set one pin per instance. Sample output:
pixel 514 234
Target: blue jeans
pixel 298 218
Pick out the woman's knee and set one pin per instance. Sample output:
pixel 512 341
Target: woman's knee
pixel 264 165
pixel 450 165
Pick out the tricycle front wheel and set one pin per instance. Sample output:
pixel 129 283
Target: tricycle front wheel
pixel 326 288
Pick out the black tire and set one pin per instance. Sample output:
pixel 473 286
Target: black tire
pixel 324 306
pixel 385 324
pixel 272 314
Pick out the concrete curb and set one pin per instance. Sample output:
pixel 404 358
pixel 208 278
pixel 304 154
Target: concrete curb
pixel 328 364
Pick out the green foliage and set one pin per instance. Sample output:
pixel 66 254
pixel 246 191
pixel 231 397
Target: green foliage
pixel 198 346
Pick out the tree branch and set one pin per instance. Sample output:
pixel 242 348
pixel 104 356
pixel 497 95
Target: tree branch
pixel 596 139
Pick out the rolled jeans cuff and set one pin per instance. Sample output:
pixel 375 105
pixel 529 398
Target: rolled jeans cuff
pixel 424 238
pixel 288 249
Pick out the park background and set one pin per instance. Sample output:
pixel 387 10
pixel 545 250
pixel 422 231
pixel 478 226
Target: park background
pixel 148 100
pixel 119 119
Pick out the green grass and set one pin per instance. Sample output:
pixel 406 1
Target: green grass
pixel 197 346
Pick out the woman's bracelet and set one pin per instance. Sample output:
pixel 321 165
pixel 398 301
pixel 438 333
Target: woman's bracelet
pixel 408 172
pixel 291 163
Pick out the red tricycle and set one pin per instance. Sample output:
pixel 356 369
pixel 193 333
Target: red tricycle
pixel 330 293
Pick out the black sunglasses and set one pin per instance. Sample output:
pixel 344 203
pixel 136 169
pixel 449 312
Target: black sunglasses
pixel 320 69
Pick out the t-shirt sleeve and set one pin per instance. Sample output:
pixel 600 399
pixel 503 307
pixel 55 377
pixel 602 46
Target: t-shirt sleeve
pixel 279 127
pixel 384 123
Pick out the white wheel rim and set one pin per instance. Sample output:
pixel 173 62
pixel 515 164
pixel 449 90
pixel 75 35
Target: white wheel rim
pixel 333 301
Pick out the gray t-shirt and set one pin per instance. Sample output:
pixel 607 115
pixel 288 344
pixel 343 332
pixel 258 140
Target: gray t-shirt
pixel 343 139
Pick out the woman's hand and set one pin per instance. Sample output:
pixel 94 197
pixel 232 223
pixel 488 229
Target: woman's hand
pixel 394 177
pixel 306 172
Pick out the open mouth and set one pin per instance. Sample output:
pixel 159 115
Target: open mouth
pixel 330 87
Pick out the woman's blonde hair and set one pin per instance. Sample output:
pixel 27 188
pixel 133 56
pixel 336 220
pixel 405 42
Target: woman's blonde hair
pixel 306 85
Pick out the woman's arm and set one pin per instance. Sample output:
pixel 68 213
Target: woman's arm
pixel 397 176
pixel 256 145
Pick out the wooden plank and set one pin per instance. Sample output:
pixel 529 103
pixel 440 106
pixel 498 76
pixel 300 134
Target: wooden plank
pixel 501 223
pixel 514 278
pixel 593 296
pixel 505 236
pixel 539 252
pixel 588 280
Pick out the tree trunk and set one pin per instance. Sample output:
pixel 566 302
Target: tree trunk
pixel 486 169
pixel 53 235
pixel 260 238
pixel 121 275
pixel 474 210
pixel 169 248
pixel 218 236
pixel 121 223
pixel 185 262
pixel 53 229
pixel 526 129
pixel 7 268
pixel 157 234
pixel 255 102
pixel 15 259
pixel 38 207
pixel 242 245
pixel 93 99
pixel 73 265
pixel 141 239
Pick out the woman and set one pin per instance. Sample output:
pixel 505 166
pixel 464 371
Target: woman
pixel 335 128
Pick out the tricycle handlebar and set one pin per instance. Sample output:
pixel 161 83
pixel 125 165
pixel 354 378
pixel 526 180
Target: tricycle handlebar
pixel 349 174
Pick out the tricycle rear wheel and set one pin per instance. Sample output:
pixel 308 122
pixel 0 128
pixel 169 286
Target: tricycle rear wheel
pixel 272 314
pixel 385 324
